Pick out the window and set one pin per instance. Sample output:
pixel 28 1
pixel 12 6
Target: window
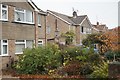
pixel 3 12
pixel 88 30
pixel 29 43
pixel 39 23
pixel 40 42
pixel 82 29
pixel 48 30
pixel 4 47
pixel 22 15
pixel 22 44
pixel 29 16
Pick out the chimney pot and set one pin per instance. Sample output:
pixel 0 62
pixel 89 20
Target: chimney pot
pixel 74 14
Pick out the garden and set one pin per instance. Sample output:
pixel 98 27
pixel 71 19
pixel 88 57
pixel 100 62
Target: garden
pixel 71 62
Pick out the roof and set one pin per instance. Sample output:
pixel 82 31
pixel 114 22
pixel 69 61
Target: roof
pixel 75 21
pixel 33 4
pixel 78 19
pixel 101 27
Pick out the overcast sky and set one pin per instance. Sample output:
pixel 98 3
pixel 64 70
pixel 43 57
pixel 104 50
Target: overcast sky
pixel 104 11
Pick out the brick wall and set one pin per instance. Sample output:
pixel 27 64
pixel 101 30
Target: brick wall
pixel 114 70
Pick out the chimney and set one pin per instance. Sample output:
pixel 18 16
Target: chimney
pixel 74 14
pixel 97 23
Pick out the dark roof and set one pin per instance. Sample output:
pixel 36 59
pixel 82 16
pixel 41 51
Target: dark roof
pixel 78 19
pixel 74 21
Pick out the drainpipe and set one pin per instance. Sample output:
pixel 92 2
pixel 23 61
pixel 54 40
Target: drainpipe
pixel 45 30
pixel 36 28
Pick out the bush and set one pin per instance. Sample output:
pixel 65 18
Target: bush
pixel 38 60
pixel 110 55
pixel 100 71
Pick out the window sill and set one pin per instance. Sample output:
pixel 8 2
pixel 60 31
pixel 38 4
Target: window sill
pixel 85 33
pixel 19 53
pixel 4 20
pixel 39 25
pixel 30 23
pixel 4 55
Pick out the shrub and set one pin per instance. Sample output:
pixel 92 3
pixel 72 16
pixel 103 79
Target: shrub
pixel 100 71
pixel 110 55
pixel 38 60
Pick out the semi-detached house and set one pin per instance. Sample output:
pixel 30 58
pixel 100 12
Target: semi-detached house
pixel 57 22
pixel 22 25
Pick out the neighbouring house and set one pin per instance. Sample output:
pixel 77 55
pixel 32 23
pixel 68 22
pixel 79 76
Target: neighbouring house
pixel 58 23
pixel 22 25
pixel 99 28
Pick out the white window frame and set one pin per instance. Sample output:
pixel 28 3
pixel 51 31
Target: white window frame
pixel 17 43
pixel 40 43
pixel 24 12
pixel 2 44
pixel 1 12
pixel 24 43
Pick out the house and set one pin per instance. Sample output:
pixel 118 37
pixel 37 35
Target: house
pixel 22 25
pixel 99 28
pixel 58 23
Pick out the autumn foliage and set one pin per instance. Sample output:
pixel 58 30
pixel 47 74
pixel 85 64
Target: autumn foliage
pixel 113 36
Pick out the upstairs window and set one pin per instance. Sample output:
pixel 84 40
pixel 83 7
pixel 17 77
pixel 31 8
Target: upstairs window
pixel 48 30
pixel 3 12
pixel 82 29
pixel 22 15
pixel 39 23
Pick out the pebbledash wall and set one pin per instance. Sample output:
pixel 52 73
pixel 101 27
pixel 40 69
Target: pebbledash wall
pixel 21 26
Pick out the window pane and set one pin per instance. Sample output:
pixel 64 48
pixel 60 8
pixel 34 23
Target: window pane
pixel 20 48
pixel 82 29
pixel 4 6
pixel 4 14
pixel 40 43
pixel 29 43
pixel 29 16
pixel 19 16
pixel 4 41
pixel 20 41
pixel 38 19
pixel 4 49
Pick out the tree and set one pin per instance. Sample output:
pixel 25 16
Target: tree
pixel 69 36
pixel 103 41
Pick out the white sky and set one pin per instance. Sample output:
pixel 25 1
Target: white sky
pixel 104 11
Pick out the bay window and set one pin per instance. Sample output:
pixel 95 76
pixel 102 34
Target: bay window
pixel 3 12
pixel 24 16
